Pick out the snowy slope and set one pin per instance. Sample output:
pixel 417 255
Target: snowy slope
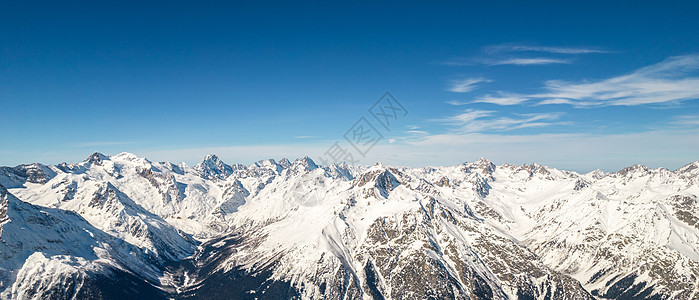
pixel 475 230
pixel 90 189
pixel 52 253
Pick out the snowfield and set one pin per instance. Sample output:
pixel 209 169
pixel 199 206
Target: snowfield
pixel 123 226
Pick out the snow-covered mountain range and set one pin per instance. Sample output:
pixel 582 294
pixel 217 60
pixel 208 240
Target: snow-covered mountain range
pixel 123 226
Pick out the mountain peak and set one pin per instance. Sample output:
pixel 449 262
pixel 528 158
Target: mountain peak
pixel 596 174
pixel 381 178
pixel 265 162
pixel 96 158
pixel 212 167
pixel 633 169
pixel 211 157
pixel 127 156
pixel 690 167
pixel 482 160
pixel 483 164
pixel 307 163
pixel 284 162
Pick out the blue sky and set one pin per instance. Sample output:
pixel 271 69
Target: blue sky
pixel 572 85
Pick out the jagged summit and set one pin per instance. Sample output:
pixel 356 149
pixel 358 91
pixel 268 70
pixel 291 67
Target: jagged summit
pixel 96 158
pixel 634 169
pixel 210 159
pixel 307 163
pixel 212 167
pixel 293 229
pixel 129 157
pixel 284 162
pixel 596 174
pixel 689 168
pixel 482 161
pixel 483 164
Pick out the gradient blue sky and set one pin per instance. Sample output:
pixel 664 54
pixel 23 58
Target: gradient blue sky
pixel 584 85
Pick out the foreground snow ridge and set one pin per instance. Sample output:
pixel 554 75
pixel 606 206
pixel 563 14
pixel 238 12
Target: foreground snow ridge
pixel 122 226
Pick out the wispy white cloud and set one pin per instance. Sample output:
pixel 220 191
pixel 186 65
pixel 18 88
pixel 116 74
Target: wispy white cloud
pixel 457 102
pixel 498 55
pixel 530 61
pixel 474 120
pixel 502 98
pixel 686 121
pixel 466 85
pixel 467 116
pixel 417 132
pixel 518 61
pixel 546 49
pixel 673 79
pixel 304 137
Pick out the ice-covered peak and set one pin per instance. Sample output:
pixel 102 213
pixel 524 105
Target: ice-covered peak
pixel 36 173
pixel 341 170
pixel 265 163
pixel 212 167
pixel 212 158
pixel 267 166
pixel 284 162
pixel 96 158
pixel 691 168
pixel 378 177
pixel 482 161
pixel 482 164
pixel 596 174
pixel 536 170
pixel 376 166
pixel 126 156
pixel 634 170
pixel 307 163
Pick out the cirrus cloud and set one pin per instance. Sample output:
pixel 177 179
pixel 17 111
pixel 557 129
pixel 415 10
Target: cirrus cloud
pixel 466 85
pixel 474 120
pixel 530 61
pixel 674 79
pixel 555 50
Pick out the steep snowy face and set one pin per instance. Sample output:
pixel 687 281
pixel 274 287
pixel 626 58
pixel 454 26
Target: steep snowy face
pixel 384 234
pixel 475 230
pixel 298 166
pixel 212 167
pixel 52 253
pixel 33 173
pixel 90 189
pixel 689 172
pixel 627 234
pixel 4 194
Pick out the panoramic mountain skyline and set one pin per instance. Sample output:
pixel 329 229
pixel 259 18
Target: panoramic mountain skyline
pixel 361 150
pixel 576 86
pixel 288 229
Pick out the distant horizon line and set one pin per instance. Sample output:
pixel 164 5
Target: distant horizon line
pixel 276 161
